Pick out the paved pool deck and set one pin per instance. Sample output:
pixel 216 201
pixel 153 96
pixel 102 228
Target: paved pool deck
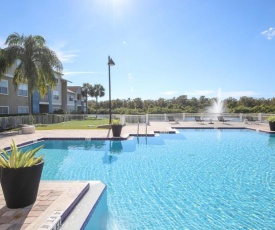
pixel 56 199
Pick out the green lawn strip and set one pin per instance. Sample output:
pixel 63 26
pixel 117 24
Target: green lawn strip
pixel 86 124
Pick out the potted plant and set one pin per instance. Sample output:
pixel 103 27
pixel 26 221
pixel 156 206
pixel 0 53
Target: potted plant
pixel 116 128
pixel 20 176
pixel 271 121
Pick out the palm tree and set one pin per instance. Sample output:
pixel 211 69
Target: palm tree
pixel 4 65
pixel 97 91
pixel 85 90
pixel 37 63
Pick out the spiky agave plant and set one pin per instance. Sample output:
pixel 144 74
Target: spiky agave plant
pixel 18 158
pixel 116 122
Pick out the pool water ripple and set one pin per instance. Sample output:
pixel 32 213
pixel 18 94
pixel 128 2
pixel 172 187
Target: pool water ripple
pixel 197 179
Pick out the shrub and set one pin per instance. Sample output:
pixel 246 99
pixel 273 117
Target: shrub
pixel 271 119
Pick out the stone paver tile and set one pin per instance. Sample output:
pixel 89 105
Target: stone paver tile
pixel 53 198
pixel 10 212
pixel 22 212
pixel 18 220
pixel 3 210
pixel 24 226
pixel 35 213
pixel 42 198
pixel 5 226
pixel 30 219
pixel 48 202
pixel 2 201
pixel 40 207
pixel 5 219
pixel 45 192
pixel 56 193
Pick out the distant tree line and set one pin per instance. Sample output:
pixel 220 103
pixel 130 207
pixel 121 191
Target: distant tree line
pixel 182 104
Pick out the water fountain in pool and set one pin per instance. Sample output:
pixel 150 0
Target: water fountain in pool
pixel 217 105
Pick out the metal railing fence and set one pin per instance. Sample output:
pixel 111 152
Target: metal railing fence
pixel 46 119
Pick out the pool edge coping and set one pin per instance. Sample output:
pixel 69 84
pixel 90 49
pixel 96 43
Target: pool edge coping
pixel 126 137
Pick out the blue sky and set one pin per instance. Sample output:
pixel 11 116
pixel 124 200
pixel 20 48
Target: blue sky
pixel 161 48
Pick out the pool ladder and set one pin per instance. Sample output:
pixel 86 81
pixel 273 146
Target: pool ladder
pixel 138 129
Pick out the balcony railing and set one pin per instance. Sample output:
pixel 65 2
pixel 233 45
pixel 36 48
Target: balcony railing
pixel 44 98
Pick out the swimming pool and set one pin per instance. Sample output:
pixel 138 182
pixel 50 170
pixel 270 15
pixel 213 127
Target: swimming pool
pixel 196 179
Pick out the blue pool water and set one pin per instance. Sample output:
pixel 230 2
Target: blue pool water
pixel 197 179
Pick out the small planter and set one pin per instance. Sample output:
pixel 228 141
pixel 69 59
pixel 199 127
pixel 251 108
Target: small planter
pixel 28 129
pixel 20 185
pixel 116 130
pixel 272 126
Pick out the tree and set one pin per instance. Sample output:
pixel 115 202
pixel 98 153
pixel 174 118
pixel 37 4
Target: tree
pixel 37 63
pixel 97 91
pixel 4 64
pixel 86 90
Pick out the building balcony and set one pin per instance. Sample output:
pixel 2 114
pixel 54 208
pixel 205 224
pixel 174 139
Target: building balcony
pixel 44 98
pixel 78 102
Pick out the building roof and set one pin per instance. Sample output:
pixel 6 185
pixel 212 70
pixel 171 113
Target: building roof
pixel 70 91
pixel 74 88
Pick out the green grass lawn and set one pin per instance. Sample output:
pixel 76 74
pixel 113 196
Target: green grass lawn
pixel 86 124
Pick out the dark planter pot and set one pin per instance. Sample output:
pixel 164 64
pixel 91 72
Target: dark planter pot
pixel 20 186
pixel 272 126
pixel 116 130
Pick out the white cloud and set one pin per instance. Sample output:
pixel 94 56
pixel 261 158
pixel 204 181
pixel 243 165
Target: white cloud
pixel 64 56
pixel 269 34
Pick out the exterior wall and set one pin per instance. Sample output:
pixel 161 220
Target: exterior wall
pixel 56 103
pixel 80 107
pixel 40 104
pixel 64 95
pixel 79 100
pixel 71 103
pixel 12 100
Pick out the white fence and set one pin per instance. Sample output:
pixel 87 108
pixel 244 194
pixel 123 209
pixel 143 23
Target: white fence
pixel 15 121
pixel 187 117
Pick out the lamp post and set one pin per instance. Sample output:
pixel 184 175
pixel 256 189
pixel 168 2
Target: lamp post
pixel 110 63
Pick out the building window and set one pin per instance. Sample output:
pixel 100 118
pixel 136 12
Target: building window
pixel 3 87
pixel 55 95
pixel 56 80
pixel 23 90
pixel 71 97
pixel 4 110
pixel 23 109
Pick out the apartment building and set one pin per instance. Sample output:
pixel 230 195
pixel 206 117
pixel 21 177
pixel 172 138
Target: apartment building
pixel 76 101
pixel 15 101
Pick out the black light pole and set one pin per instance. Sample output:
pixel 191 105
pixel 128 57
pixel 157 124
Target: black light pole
pixel 110 63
